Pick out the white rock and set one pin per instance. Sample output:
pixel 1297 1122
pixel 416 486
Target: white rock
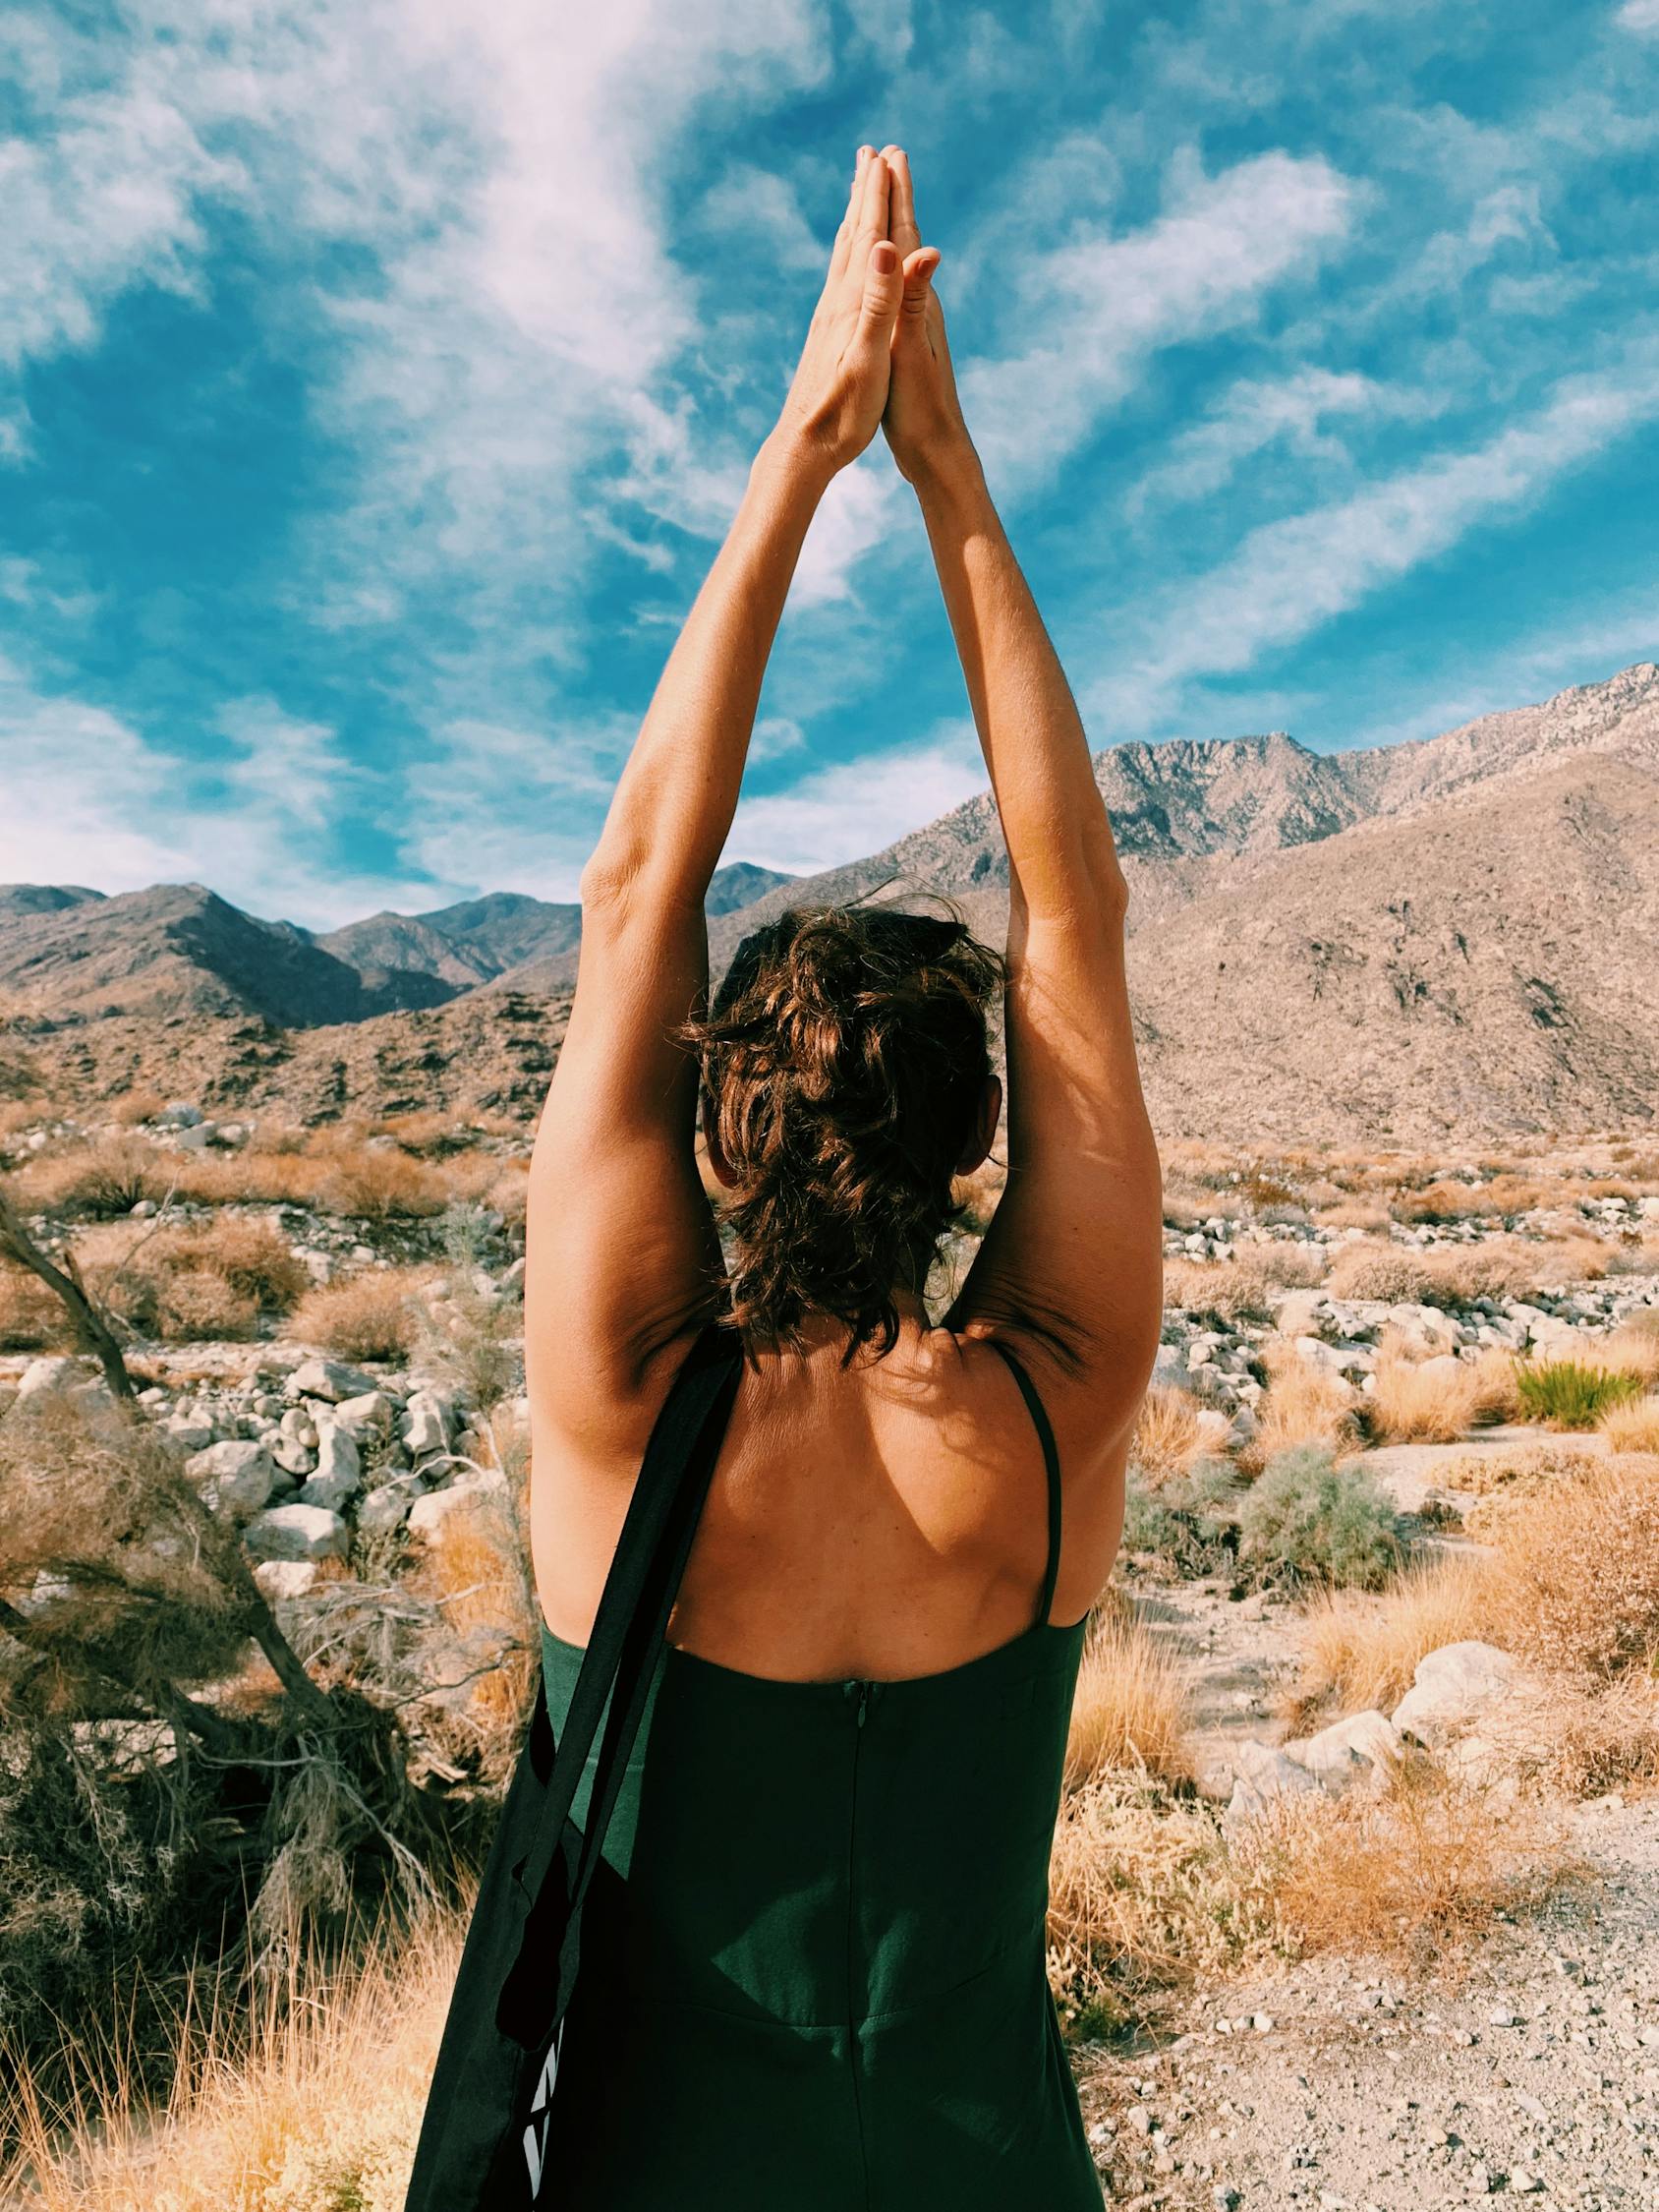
pixel 235 1476
pixel 296 1531
pixel 189 1427
pixel 61 1377
pixel 1425 1328
pixel 429 1516
pixel 285 1577
pixel 291 1456
pixel 328 1378
pixel 388 1506
pixel 1261 1775
pixel 1450 1687
pixel 372 1409
pixel 1359 1747
pixel 423 1429
pixel 197 1138
pixel 337 1457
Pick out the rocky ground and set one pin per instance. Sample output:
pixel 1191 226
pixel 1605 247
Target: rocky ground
pixel 1532 2070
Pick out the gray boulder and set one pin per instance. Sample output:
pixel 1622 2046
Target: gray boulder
pixel 433 1516
pixel 1262 1776
pixel 285 1577
pixel 235 1476
pixel 296 1531
pixel 330 1379
pixel 1454 1686
pixel 1360 1747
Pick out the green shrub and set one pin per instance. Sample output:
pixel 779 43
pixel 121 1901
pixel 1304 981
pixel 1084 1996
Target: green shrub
pixel 1309 1520
pixel 1570 1395
pixel 1188 1523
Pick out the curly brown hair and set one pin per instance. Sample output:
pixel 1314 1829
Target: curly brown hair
pixel 843 1059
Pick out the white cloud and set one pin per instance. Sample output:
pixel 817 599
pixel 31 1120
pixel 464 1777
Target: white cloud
pixel 850 808
pixel 91 800
pixel 1104 304
pixel 1639 16
pixel 1254 414
pixel 756 212
pixel 1289 576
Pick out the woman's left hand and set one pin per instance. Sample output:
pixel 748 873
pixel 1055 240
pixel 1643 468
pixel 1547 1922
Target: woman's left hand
pixel 840 386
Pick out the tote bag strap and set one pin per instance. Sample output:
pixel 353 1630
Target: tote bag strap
pixel 637 1599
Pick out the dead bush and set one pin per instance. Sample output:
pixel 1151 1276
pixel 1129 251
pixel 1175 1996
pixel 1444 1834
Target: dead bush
pixel 32 1319
pixel 1575 1576
pixel 374 1314
pixel 1168 1434
pixel 1131 1709
pixel 1302 1404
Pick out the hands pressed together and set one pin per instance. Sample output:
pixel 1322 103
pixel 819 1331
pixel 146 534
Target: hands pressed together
pixel 876 350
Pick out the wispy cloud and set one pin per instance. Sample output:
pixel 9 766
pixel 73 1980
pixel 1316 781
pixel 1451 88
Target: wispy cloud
pixel 852 808
pixel 1292 575
pixel 1104 304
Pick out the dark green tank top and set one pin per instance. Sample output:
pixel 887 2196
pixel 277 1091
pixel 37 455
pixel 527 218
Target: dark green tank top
pixel 814 1971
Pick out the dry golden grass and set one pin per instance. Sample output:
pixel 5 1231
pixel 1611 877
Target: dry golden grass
pixel 1241 1288
pixel 381 1184
pixel 312 2105
pixel 1517 1470
pixel 1302 1404
pixel 102 1178
pixel 1131 1709
pixel 1359 1652
pixel 1416 1871
pixel 1143 1894
pixel 371 1316
pixel 184 1283
pixel 1414 1401
pixel 1634 1427
pixel 1574 1584
pixel 480 1575
pixel 32 1317
pixel 1167 1436
pixel 1354 1213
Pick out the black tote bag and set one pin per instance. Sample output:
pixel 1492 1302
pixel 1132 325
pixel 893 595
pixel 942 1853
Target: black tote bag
pixel 487 2132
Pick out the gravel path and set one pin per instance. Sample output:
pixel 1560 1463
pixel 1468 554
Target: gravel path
pixel 1331 2085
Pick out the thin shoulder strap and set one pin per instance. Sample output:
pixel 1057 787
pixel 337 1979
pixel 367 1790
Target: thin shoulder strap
pixel 1050 1461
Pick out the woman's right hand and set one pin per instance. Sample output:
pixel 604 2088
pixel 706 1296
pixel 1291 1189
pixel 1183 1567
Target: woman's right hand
pixel 923 419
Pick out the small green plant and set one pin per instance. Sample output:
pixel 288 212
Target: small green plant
pixel 1567 1394
pixel 1187 1523
pixel 1305 1518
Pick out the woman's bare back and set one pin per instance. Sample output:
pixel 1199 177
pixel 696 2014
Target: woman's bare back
pixel 885 1521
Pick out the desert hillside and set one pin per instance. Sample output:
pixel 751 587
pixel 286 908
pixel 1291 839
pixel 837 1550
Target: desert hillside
pixel 1456 934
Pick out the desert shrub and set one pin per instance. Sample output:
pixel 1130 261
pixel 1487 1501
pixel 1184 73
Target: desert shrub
pixel 380 1182
pixel 1231 1291
pixel 99 1180
pixel 472 1334
pixel 196 1306
pixel 1421 1401
pixel 1632 1426
pixel 1568 1393
pixel 1391 1276
pixel 1575 1574
pixel 1143 1895
pixel 1360 1651
pixel 374 1314
pixel 32 1319
pixel 207 1279
pixel 1131 1709
pixel 1168 1434
pixel 309 2102
pixel 1187 1522
pixel 1415 1869
pixel 1447 1201
pixel 1303 1404
pixel 1307 1519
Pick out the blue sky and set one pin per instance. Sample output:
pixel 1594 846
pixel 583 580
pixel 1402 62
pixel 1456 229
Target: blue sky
pixel 379 376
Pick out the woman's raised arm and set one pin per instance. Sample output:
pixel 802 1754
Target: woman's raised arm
pixel 1075 1246
pixel 620 1245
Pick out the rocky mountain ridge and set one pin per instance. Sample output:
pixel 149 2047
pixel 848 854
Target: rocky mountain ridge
pixel 1459 934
